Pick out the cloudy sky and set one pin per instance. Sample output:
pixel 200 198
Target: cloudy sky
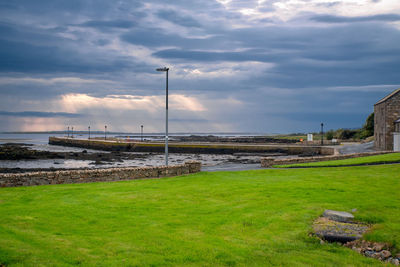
pixel 267 66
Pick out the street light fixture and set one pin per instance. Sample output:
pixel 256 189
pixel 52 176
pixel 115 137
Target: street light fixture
pixel 141 133
pixel 322 134
pixel 166 113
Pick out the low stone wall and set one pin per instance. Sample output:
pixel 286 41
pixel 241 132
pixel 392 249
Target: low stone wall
pixel 269 161
pixel 96 175
pixel 318 143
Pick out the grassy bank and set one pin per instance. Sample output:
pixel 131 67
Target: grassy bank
pixel 369 160
pixel 250 218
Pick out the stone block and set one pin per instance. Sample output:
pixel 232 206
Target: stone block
pixel 338 216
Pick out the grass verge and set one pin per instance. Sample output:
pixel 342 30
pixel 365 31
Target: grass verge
pixel 249 218
pixel 369 160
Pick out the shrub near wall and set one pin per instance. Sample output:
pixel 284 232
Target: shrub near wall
pixel 96 175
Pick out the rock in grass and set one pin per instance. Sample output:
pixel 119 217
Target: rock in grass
pixel 333 231
pixel 338 216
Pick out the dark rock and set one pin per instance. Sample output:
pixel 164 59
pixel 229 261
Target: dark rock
pixel 369 253
pixel 333 231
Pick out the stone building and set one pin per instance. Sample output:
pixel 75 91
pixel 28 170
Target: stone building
pixel 387 118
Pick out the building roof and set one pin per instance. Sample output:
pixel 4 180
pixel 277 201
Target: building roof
pixel 397 121
pixel 388 96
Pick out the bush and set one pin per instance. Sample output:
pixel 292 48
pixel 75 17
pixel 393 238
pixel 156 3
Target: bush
pixel 358 134
pixel 330 134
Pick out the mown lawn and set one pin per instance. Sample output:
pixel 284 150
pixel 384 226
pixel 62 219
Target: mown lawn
pixel 249 218
pixel 385 158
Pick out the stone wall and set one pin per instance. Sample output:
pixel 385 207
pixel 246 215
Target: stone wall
pixel 96 175
pixel 385 114
pixel 270 161
pixel 318 143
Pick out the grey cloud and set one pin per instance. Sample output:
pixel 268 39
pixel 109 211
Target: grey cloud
pixel 66 9
pixel 177 18
pixel 188 120
pixel 243 4
pixel 123 24
pixel 201 5
pixel 329 4
pixel 306 59
pixel 310 56
pixel 342 19
pixel 24 49
pixel 193 55
pixel 23 57
pixel 153 37
pixel 40 114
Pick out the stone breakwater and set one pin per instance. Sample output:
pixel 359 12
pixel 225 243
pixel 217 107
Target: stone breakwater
pixel 96 175
pixel 192 148
pixel 269 161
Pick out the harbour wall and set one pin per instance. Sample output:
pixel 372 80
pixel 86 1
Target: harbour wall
pixel 96 175
pixel 195 148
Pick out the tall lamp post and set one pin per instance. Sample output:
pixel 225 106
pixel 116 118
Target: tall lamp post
pixel 68 131
pixel 322 134
pixel 89 131
pixel 166 114
pixel 105 132
pixel 72 132
pixel 141 133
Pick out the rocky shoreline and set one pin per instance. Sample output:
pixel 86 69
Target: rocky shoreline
pixel 24 152
pixel 21 158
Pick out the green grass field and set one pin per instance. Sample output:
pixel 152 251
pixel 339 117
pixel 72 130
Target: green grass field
pixel 249 218
pixel 385 158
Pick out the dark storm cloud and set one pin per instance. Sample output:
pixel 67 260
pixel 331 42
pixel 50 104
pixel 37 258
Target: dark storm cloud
pixel 61 9
pixel 342 19
pixel 177 18
pixel 24 57
pixel 25 49
pixel 40 114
